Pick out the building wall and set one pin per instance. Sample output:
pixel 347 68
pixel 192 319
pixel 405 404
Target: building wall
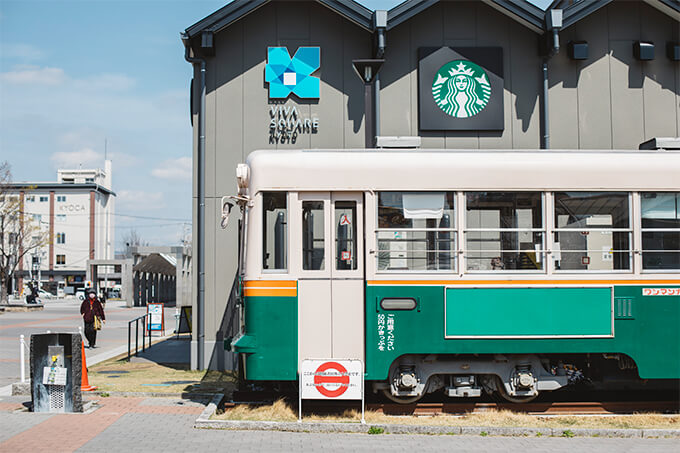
pixel 608 101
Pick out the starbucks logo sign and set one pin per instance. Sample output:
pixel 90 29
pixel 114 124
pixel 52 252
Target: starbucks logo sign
pixel 461 89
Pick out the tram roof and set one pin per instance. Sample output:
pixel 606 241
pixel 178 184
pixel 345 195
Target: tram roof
pixel 379 169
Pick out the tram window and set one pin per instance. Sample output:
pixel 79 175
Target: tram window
pixel 592 231
pixel 274 230
pixel 660 230
pixel 313 236
pixel 416 231
pixel 346 235
pixel 504 231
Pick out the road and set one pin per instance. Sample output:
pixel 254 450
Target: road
pixel 63 315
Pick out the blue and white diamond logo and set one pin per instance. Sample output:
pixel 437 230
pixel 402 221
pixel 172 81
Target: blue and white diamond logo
pixel 292 75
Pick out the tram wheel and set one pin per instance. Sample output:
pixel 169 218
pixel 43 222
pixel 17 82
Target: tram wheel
pixel 401 399
pixel 503 394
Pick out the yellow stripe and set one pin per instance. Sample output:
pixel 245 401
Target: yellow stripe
pixel 270 292
pixel 270 284
pixel 522 282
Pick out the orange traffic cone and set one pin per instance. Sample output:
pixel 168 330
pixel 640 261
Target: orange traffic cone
pixel 84 383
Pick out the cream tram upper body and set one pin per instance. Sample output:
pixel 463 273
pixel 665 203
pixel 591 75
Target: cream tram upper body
pixel 372 171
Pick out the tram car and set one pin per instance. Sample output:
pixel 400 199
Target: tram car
pixel 467 272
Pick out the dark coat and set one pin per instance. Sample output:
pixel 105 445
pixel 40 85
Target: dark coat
pixel 90 310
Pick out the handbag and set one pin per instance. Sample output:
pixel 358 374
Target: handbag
pixel 97 323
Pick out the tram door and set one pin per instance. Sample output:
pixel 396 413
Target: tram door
pixel 330 264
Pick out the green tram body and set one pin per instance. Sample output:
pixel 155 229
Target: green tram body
pixel 456 314
pixel 646 328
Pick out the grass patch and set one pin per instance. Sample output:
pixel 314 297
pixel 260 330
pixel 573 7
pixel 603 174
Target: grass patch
pixel 376 430
pixel 123 376
pixel 567 433
pixel 281 411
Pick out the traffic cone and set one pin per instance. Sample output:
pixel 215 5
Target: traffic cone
pixel 84 383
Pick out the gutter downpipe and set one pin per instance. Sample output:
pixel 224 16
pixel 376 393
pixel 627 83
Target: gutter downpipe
pixel 553 50
pixel 200 222
pixel 380 53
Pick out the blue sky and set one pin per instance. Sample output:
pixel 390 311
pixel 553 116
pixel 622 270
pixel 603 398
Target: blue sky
pixel 74 74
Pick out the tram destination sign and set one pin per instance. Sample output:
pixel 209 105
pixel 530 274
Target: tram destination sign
pixel 460 88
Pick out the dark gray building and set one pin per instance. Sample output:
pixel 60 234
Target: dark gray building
pixel 499 74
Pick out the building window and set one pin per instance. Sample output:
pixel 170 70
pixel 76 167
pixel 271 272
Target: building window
pixel 37 218
pixel 416 231
pixel 44 199
pixel 61 238
pixel 61 217
pixel 67 180
pixel 61 259
pixel 660 230
pixel 504 231
pixel 274 230
pixel 61 198
pixel 89 180
pixel 30 198
pixel 592 231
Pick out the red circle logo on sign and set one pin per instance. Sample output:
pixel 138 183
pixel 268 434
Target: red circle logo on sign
pixel 342 380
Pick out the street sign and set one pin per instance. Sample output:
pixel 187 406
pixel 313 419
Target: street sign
pixel 155 320
pixel 331 379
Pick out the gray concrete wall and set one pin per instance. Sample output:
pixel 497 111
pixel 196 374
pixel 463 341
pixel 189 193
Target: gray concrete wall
pixel 608 101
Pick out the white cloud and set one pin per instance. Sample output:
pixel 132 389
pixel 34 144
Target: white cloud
pixel 19 51
pixel 86 157
pixel 138 200
pixel 174 169
pixel 33 75
pixel 105 82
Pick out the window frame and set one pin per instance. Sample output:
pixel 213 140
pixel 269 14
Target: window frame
pixel 643 230
pixel 632 223
pixel 543 229
pixel 455 250
pixel 286 236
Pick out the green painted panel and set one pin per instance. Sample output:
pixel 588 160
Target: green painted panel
pixel 651 338
pixel 479 312
pixel 271 346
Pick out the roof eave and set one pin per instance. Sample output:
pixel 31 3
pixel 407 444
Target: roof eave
pixel 669 7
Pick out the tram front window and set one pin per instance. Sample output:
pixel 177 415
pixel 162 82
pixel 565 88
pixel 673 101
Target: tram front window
pixel 274 231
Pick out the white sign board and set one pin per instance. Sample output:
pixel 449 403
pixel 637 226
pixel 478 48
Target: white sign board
pixel 54 375
pixel 155 312
pixel 332 379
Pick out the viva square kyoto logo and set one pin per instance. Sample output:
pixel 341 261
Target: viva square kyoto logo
pixel 461 89
pixel 288 75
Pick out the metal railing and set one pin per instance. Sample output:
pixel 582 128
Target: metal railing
pixel 145 333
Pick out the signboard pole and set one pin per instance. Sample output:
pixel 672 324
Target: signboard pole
pixel 300 397
pixel 363 402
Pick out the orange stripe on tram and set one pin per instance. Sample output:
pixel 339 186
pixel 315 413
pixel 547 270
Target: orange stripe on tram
pixel 522 282
pixel 270 292
pixel 270 284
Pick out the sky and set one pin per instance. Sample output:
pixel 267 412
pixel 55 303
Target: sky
pixel 79 79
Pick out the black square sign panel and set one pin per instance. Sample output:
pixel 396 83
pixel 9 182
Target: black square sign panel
pixel 460 88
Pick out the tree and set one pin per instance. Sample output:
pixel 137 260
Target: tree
pixel 133 239
pixel 19 234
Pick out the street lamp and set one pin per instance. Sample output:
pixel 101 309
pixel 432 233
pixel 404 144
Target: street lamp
pixel 367 69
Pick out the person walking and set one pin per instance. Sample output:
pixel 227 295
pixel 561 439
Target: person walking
pixel 90 308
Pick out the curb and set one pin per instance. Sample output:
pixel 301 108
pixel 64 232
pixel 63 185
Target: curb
pixel 182 395
pixel 204 422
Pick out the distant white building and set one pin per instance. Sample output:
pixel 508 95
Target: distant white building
pixel 77 210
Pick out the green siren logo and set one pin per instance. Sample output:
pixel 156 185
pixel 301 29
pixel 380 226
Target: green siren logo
pixel 461 89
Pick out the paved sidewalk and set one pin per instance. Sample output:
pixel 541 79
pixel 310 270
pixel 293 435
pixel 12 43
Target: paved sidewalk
pixel 166 425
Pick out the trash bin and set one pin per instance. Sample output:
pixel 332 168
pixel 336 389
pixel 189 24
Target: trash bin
pixel 56 367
